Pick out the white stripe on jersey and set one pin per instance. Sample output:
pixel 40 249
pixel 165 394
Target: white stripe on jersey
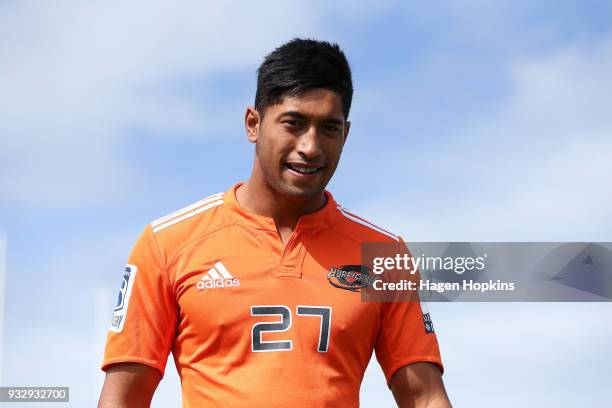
pixel 187 215
pixel 368 224
pixel 186 209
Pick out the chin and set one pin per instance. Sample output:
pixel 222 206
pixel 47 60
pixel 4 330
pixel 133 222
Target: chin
pixel 299 192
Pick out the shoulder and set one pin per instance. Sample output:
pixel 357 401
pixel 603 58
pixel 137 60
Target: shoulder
pixel 190 222
pixel 360 228
pixel 186 213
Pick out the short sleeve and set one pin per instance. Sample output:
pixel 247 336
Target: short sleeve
pixel 144 318
pixel 406 335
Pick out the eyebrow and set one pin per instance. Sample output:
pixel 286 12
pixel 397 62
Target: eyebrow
pixel 298 115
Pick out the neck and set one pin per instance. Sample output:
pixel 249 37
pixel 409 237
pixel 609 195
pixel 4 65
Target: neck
pixel 258 197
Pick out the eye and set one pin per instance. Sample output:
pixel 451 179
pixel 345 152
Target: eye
pixel 332 130
pixel 291 123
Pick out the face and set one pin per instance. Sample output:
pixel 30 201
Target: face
pixel 298 143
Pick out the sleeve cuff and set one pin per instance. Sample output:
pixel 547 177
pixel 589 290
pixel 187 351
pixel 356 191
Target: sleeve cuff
pixel 151 363
pixel 402 363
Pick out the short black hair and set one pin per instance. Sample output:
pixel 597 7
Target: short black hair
pixel 299 66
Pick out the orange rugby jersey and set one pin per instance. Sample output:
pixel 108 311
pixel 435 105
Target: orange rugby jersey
pixel 252 322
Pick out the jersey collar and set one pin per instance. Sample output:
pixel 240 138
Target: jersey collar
pixel 319 219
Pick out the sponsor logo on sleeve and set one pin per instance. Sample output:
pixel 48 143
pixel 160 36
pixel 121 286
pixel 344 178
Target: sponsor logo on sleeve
pixel 123 298
pixel 429 328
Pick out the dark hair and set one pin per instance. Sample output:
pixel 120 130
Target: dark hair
pixel 299 66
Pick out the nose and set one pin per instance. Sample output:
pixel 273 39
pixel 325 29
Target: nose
pixel 309 145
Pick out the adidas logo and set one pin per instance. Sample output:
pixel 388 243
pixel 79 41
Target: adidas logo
pixel 217 277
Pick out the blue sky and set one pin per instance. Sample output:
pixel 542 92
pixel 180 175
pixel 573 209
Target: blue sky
pixel 472 121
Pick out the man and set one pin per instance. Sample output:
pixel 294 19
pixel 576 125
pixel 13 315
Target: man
pixel 239 286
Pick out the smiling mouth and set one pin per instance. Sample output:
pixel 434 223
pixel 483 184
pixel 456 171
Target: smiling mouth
pixel 303 169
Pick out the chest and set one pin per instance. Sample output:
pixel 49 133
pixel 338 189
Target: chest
pixel 246 289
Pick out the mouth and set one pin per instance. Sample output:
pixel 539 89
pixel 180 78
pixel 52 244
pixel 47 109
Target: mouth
pixel 304 169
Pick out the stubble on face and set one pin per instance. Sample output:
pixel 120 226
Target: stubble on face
pixel 302 131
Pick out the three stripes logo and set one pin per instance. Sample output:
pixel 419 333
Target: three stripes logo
pixel 217 277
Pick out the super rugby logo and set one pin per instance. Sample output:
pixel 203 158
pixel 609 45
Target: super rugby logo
pixel 123 298
pixel 350 277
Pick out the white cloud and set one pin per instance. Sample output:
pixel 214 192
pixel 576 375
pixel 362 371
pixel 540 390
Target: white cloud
pixel 535 169
pixel 75 74
pixel 504 354
pixel 566 94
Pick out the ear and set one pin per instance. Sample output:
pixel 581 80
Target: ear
pixel 347 127
pixel 252 120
